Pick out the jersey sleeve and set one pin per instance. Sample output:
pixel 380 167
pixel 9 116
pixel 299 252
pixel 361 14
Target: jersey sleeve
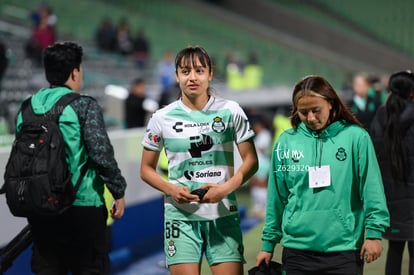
pixel 153 136
pixel 243 130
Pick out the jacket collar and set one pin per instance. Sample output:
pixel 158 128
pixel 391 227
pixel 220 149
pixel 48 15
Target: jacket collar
pixel 328 132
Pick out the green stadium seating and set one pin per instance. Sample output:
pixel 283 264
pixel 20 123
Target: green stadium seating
pixel 390 22
pixel 171 26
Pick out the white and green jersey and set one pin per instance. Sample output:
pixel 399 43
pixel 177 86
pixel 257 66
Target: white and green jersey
pixel 199 146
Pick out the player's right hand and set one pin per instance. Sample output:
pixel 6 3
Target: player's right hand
pixel 182 195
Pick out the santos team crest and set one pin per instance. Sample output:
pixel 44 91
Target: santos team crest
pixel 341 154
pixel 218 125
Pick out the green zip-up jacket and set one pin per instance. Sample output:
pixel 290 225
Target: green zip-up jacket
pixel 337 217
pixel 87 143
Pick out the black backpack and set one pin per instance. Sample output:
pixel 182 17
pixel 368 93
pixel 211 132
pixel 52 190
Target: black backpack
pixel 37 180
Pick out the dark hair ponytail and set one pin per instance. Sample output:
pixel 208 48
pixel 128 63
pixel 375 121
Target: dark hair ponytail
pixel 401 86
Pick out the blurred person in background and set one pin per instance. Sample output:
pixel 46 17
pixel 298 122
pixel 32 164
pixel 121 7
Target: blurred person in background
pixel 40 12
pixel 43 34
pixel 105 35
pixel 136 105
pixel 141 51
pixel 4 61
pixel 253 72
pixel 325 200
pixel 169 95
pixel 365 100
pixel 281 122
pixel 392 131
pixel 380 86
pixel 234 72
pixel 124 41
pixel 258 183
pixel 166 71
pixel 198 133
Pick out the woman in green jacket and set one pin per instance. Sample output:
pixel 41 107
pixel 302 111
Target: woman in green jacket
pixel 325 194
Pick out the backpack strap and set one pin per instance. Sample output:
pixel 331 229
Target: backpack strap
pixel 82 174
pixel 27 110
pixel 54 113
pixel 60 105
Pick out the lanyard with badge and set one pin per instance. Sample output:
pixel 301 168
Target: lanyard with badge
pixel 319 176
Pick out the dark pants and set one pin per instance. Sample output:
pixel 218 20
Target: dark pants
pixel 395 255
pixel 74 242
pixel 300 262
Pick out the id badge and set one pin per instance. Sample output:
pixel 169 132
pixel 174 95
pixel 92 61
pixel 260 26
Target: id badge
pixel 319 176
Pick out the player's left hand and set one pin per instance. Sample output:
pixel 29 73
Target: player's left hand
pixel 216 192
pixel 371 250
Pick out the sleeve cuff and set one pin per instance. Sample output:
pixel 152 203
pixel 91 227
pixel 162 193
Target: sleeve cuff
pixel 268 246
pixel 373 234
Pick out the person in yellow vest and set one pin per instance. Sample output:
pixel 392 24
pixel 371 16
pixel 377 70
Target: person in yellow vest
pixel 253 73
pixel 281 123
pixel 234 74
